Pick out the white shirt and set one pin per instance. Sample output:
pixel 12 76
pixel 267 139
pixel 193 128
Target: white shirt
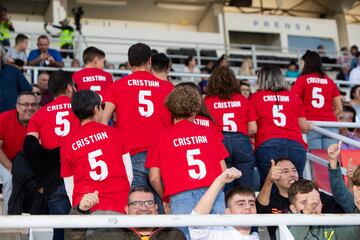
pixel 355 74
pixel 218 233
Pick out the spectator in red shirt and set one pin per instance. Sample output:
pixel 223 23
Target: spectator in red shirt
pixel 92 76
pixel 46 130
pixel 236 117
pixel 320 97
pixel 138 101
pixel 94 157
pixel 13 124
pixel 186 157
pixel 43 84
pixel 280 118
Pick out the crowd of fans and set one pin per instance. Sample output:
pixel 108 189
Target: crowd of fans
pixel 84 144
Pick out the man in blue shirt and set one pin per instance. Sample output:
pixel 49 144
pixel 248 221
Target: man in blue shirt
pixel 45 56
pixel 12 82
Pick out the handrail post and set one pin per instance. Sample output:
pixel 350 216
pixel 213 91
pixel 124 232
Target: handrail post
pixel 198 54
pixel 253 53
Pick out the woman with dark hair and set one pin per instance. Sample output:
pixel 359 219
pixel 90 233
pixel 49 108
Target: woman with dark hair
pixel 280 120
pixel 320 96
pixel 355 100
pixel 204 118
pixel 191 67
pixel 349 115
pixel 233 113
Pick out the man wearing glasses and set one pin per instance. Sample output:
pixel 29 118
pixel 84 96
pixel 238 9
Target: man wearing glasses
pixel 140 202
pixel 13 124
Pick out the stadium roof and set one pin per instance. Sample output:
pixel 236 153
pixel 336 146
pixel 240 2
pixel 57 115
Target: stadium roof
pixel 189 12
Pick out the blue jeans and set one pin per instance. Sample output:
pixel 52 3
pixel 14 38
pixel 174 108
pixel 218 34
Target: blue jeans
pixel 59 204
pixel 185 202
pixel 319 141
pixel 241 157
pixel 141 177
pixel 280 148
pixel 6 178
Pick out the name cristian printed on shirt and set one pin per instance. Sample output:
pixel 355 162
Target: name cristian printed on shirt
pixel 185 141
pixel 316 80
pixel 229 104
pixel 143 83
pixel 94 78
pixel 63 106
pixel 276 98
pixel 202 122
pixel 88 140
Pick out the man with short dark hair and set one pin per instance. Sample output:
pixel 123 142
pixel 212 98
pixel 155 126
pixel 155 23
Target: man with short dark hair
pixel 92 76
pixel 140 202
pixel 138 100
pixel 43 83
pixel 304 198
pixel 282 174
pixel 41 147
pixel 160 66
pixel 13 124
pixel 17 54
pixel 45 56
pixel 94 157
pixel 238 200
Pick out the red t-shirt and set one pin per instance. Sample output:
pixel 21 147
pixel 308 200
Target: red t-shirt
pixel 12 133
pixel 317 96
pixel 277 116
pixel 231 115
pixel 140 110
pixel 53 122
pixel 188 156
pixel 93 155
pixel 205 122
pixel 94 79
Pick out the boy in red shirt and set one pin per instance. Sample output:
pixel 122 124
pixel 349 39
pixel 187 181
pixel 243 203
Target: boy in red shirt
pixel 41 147
pixel 92 76
pixel 138 100
pixel 186 157
pixel 91 157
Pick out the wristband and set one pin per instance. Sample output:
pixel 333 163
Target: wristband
pixel 82 211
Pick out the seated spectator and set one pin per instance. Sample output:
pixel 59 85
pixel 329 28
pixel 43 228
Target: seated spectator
pixel 140 202
pixel 247 68
pixel 75 63
pixel 13 124
pixel 282 174
pixel 42 82
pixel 340 192
pixel 304 198
pixel 349 115
pixel 223 61
pixel 12 83
pixel 355 72
pixel 239 200
pixel 37 92
pixel 174 178
pixel 245 89
pixel 353 51
pixel 45 56
pixel 344 73
pixel 160 66
pixel 92 76
pixel 292 71
pixel 191 67
pixel 355 100
pixel 17 55
pixel 345 58
pixel 79 162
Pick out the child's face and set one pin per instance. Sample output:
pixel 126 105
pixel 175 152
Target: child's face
pixel 23 45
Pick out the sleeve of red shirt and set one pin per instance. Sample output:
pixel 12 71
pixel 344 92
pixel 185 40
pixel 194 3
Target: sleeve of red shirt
pixel 153 156
pixel 65 169
pixel 298 87
pixel 221 150
pixel 252 102
pixel 301 107
pixel 109 95
pixel 252 116
pixel 336 90
pixel 33 124
pixel 109 78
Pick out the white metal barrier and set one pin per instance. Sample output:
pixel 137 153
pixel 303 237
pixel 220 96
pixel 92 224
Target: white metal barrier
pixel 336 136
